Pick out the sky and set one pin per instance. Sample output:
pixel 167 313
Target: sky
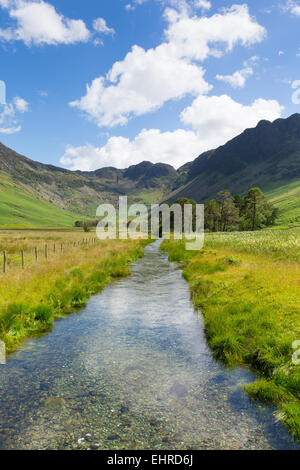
pixel 85 85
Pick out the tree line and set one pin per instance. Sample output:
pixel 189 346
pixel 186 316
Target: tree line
pixel 236 213
pixel 226 212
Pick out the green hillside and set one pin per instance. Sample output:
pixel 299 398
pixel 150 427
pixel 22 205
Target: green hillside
pixel 287 199
pixel 267 156
pixel 20 209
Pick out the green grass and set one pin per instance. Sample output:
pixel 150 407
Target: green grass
pixel 287 199
pixel 148 198
pixel 20 209
pixel 31 299
pixel 278 245
pixel 248 292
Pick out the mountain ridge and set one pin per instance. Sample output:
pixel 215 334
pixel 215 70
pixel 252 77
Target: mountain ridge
pixel 267 155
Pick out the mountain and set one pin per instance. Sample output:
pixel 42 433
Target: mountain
pixel 29 189
pixel 268 156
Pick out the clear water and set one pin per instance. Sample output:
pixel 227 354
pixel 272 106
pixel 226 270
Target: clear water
pixel 131 371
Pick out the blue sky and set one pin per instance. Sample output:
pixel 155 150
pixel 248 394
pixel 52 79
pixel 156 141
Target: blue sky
pixel 114 82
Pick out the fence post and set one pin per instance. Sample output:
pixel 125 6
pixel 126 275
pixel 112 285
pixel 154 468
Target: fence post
pixel 54 248
pixel 22 257
pixel 61 247
pixel 4 262
pixel 46 251
pixel 36 254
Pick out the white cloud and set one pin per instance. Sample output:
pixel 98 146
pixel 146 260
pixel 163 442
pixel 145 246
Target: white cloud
pixel 293 7
pixel 214 120
pixel 10 130
pixel 217 119
pixel 146 79
pixel 151 145
pixel 100 25
pixel 8 115
pixel 196 37
pixel 203 4
pixel 20 104
pixel 36 22
pixel 238 78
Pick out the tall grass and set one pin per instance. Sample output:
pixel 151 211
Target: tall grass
pixel 279 244
pixel 34 243
pixel 31 299
pixel 247 286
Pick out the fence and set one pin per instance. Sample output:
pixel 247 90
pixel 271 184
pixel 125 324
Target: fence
pixel 24 258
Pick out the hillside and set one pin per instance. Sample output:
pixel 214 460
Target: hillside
pixel 19 208
pixel 266 156
pixel 30 190
pixel 287 199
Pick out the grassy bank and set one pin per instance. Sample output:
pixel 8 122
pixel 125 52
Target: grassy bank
pixel 247 286
pixel 32 298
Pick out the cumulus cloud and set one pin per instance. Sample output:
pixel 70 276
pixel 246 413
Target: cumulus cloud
pixel 146 79
pixel 100 25
pixel 214 120
pixel 217 119
pixel 293 7
pixel 152 145
pixel 36 22
pixel 238 78
pixel 9 115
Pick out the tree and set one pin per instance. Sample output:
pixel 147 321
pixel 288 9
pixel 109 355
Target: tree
pixel 230 215
pixel 238 202
pixel 273 217
pixel 223 195
pixel 213 215
pixel 257 209
pixel 182 201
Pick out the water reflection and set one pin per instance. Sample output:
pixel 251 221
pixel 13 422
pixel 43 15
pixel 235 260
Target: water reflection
pixel 131 371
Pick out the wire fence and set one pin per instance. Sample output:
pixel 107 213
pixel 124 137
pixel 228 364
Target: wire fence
pixel 24 258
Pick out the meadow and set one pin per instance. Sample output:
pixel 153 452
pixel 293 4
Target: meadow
pixel 31 298
pixel 247 287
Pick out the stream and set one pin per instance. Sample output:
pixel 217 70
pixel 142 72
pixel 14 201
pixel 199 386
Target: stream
pixel 132 370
